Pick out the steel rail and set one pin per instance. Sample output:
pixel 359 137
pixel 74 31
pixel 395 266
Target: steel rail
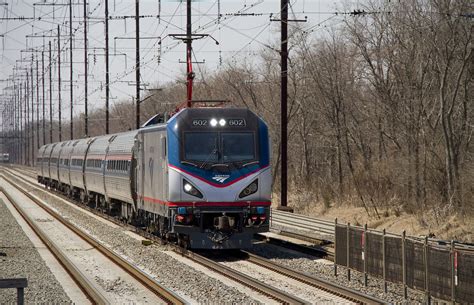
pixel 241 278
pixel 91 292
pixel 312 240
pixel 302 222
pixel 343 292
pixel 216 267
pixel 165 294
pixel 326 252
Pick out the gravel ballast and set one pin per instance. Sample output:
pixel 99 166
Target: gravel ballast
pixel 20 259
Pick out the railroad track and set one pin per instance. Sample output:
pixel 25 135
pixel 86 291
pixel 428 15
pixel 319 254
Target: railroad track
pixel 325 251
pixel 332 288
pixel 88 288
pixel 157 289
pixel 339 291
pixel 302 223
pixel 242 278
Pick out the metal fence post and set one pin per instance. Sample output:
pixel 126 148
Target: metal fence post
pixel 364 254
pixel 384 271
pixel 453 272
pixel 20 294
pixel 348 251
pixel 335 247
pixel 404 265
pixel 427 277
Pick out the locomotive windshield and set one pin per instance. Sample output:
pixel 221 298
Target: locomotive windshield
pixel 201 146
pixel 237 146
pixel 219 147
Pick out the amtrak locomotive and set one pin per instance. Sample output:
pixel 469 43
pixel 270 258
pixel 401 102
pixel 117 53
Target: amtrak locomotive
pixel 202 178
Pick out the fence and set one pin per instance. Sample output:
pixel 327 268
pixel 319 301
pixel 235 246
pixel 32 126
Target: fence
pixel 20 284
pixel 442 270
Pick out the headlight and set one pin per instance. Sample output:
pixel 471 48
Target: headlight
pixel 213 122
pixel 249 190
pixel 222 122
pixel 191 190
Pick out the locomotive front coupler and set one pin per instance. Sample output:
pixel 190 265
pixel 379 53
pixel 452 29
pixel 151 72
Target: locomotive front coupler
pixel 224 223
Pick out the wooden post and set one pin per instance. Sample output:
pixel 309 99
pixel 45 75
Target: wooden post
pixel 384 267
pixel 348 251
pixel 427 277
pixel 20 295
pixel 453 272
pixel 364 254
pixel 335 247
pixel 20 284
pixel 404 265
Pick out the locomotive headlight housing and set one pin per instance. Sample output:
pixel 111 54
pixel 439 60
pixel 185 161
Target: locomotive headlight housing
pixel 222 122
pixel 188 188
pixel 213 122
pixel 250 189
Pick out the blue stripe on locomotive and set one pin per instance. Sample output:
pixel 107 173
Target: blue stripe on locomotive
pixel 173 153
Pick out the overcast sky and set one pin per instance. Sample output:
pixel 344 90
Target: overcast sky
pixel 238 36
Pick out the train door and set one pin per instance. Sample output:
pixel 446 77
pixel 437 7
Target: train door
pixel 139 174
pixel 164 165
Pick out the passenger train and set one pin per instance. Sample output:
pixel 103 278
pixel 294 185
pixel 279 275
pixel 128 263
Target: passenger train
pixel 202 178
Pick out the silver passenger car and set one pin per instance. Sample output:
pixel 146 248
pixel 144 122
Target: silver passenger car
pixel 117 173
pixel 76 166
pixel 94 167
pixel 63 163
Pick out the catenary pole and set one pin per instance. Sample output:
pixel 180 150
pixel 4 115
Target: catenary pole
pixel 86 118
pixel 284 103
pixel 50 95
pixel 32 114
pixel 42 81
pixel 37 105
pixel 70 71
pixel 137 68
pixel 189 50
pixel 107 89
pixel 59 84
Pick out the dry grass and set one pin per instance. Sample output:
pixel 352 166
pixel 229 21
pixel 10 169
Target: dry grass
pixel 392 218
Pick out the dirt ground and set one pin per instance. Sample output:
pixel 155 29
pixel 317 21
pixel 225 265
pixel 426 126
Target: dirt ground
pixel 455 227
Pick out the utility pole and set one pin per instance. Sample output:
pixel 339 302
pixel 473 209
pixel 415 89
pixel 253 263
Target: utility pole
pixel 137 70
pixel 15 123
pixel 86 119
pixel 107 91
pixel 32 115
pixel 59 83
pixel 50 96
pixel 188 39
pixel 189 58
pixel 70 67
pixel 27 132
pixel 42 80
pixel 37 105
pixel 21 122
pixel 284 104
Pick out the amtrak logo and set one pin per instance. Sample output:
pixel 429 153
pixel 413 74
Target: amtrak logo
pixel 220 178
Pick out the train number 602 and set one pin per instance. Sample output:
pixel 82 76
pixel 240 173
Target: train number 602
pixel 237 122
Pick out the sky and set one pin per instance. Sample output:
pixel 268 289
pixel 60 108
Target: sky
pixel 242 28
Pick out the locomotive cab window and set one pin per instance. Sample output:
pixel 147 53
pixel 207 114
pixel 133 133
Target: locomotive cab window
pixel 219 147
pixel 238 146
pixel 201 146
